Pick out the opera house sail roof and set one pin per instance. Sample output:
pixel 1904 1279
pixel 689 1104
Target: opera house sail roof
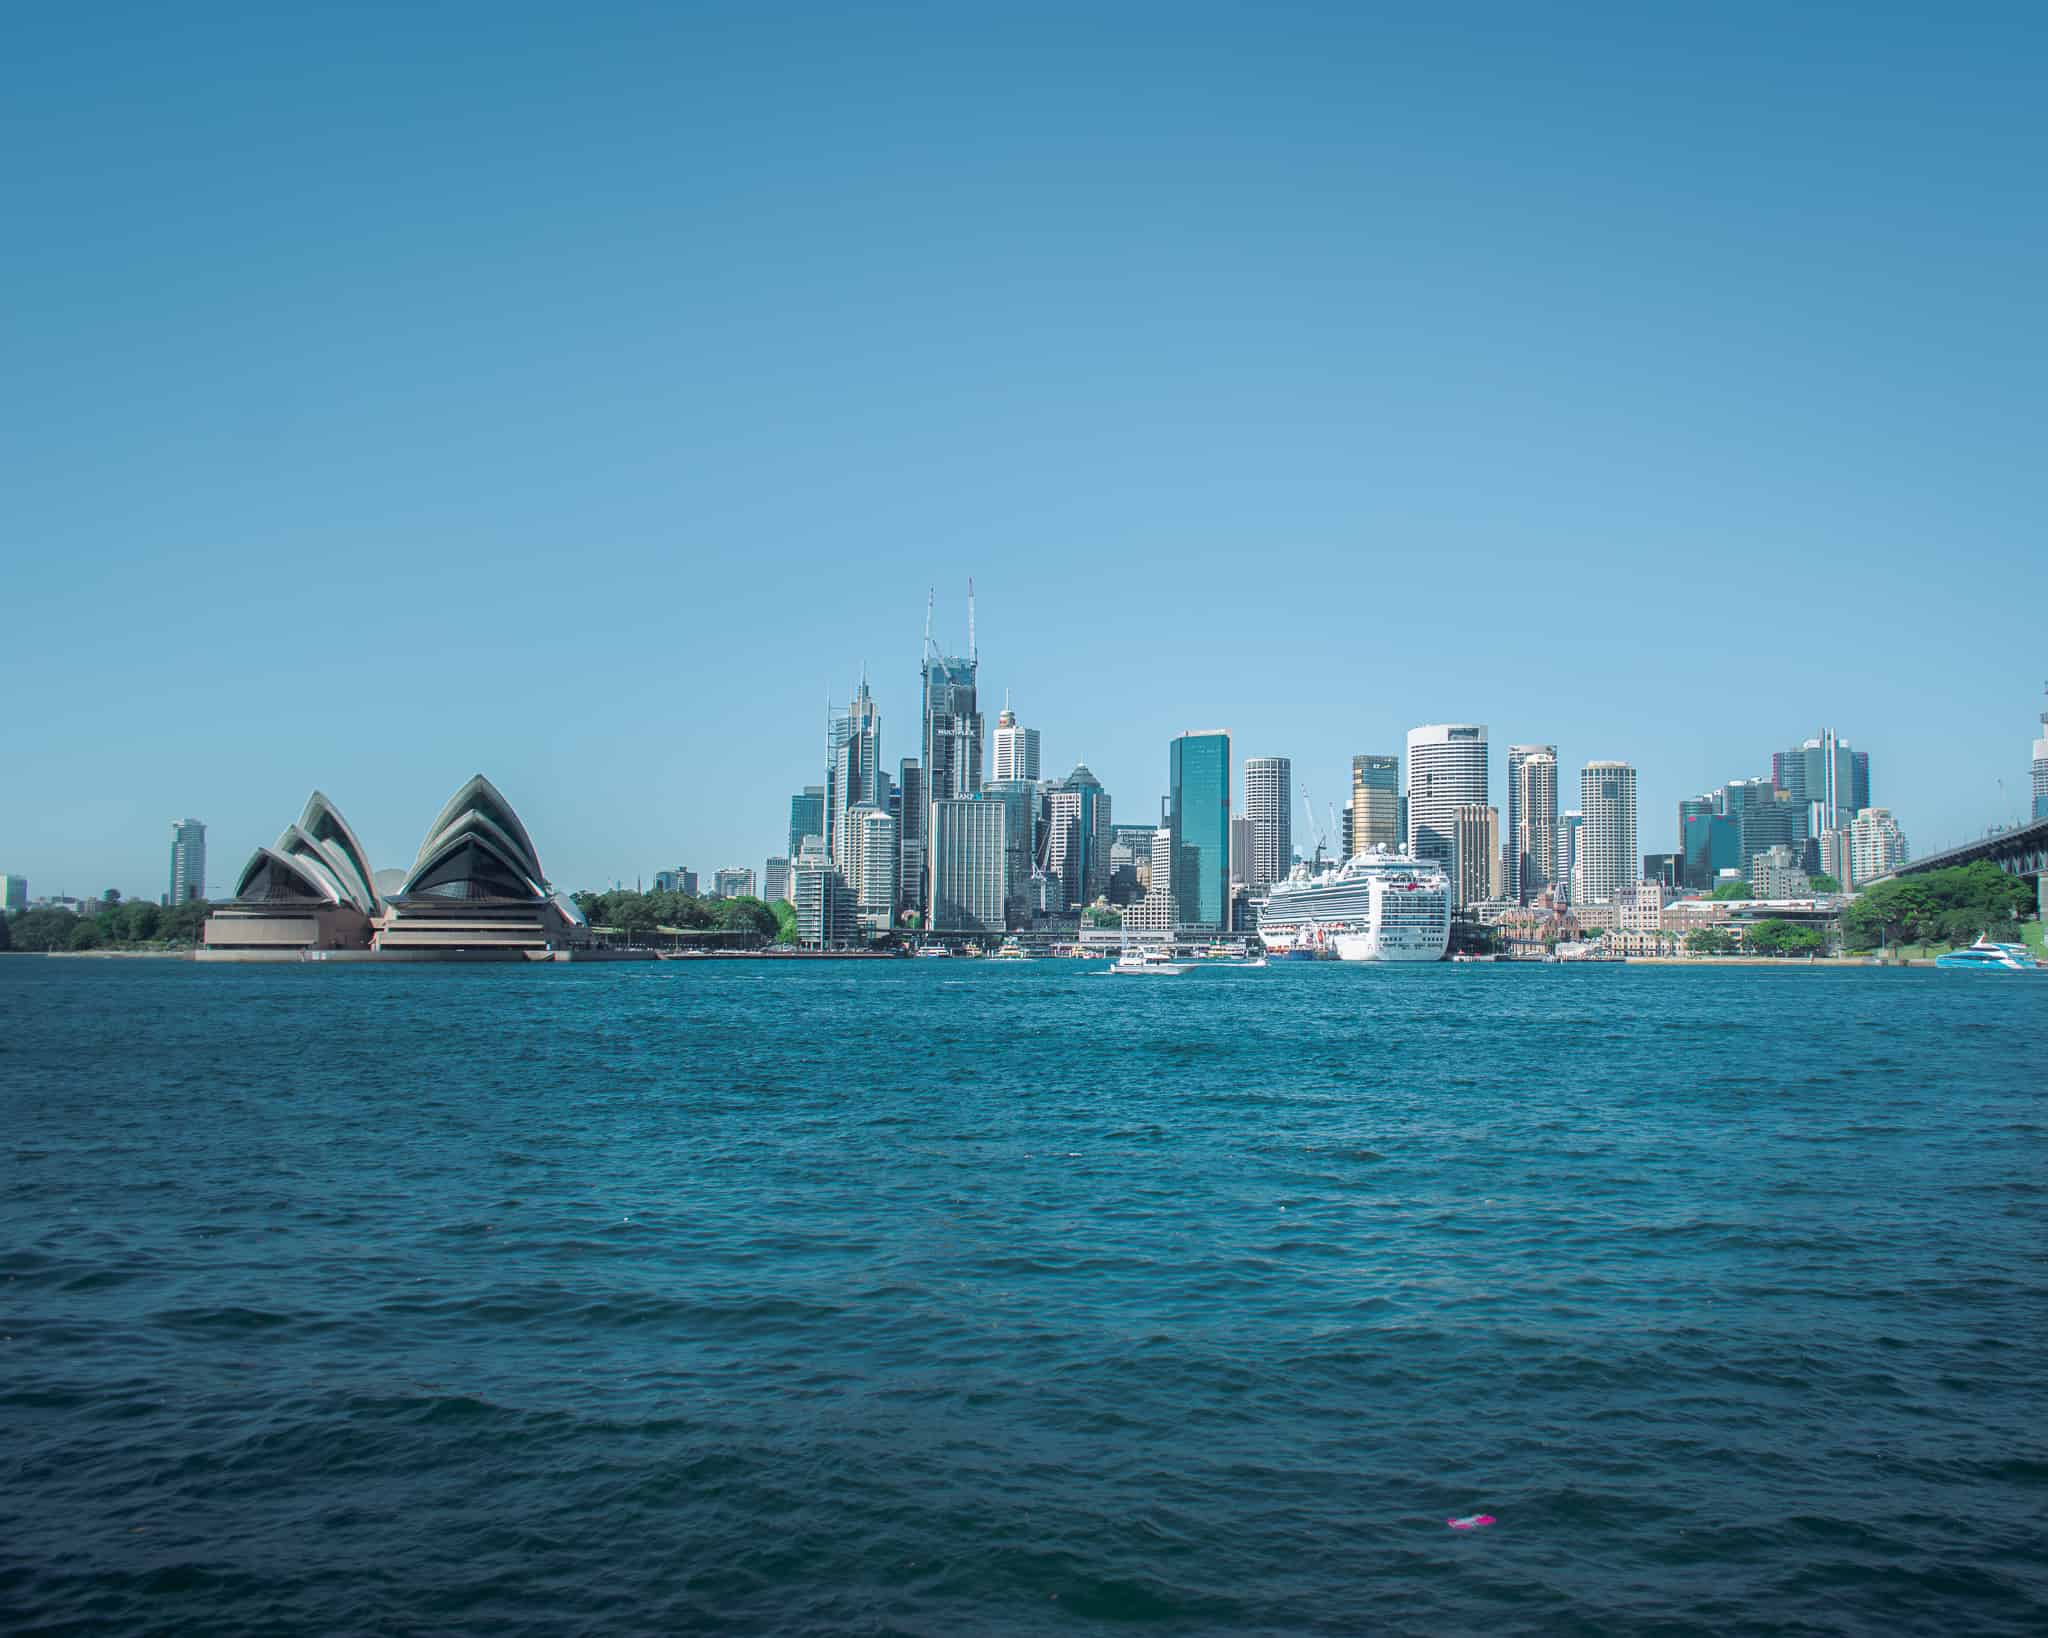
pixel 477 849
pixel 476 890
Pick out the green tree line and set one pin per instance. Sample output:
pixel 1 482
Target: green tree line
pixel 637 912
pixel 1953 906
pixel 135 924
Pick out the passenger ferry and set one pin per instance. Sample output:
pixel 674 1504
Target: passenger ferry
pixel 1378 905
pixel 1984 954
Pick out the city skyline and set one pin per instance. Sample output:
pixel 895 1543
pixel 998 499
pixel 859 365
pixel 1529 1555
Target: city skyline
pixel 1656 814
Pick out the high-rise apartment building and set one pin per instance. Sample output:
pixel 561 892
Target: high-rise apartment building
pixel 1446 771
pixel 968 868
pixel 1477 833
pixel 1607 839
pixel 1268 804
pixel 875 855
pixel 188 861
pixel 13 892
pixel 775 879
pixel 1374 816
pixel 1876 846
pixel 1198 817
pixel 1014 750
pixel 823 906
pixel 1532 820
pixel 733 882
pixel 806 817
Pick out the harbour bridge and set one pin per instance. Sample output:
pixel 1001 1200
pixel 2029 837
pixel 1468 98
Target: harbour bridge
pixel 2020 851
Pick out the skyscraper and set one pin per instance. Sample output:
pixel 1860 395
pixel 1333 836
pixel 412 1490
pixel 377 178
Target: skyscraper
pixel 952 728
pixel 1198 817
pixel 1607 840
pixel 1078 836
pixel 1015 752
pixel 1532 820
pixel 13 892
pixel 1244 850
pixel 733 882
pixel 912 817
pixel 1373 816
pixel 1826 775
pixel 1020 836
pixel 188 861
pixel 2040 810
pixel 1268 804
pixel 1569 824
pixel 853 777
pixel 1446 771
pixel 1478 876
pixel 775 879
pixel 967 865
pixel 806 817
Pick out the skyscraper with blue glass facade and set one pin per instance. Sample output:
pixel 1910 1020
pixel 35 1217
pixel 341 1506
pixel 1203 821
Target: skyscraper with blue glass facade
pixel 1198 819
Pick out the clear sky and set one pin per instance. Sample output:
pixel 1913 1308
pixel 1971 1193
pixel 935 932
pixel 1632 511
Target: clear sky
pixel 580 395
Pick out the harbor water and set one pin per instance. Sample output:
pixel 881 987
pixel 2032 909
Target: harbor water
pixel 942 1297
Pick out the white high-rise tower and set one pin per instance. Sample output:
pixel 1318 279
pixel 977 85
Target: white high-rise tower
pixel 1015 747
pixel 1446 771
pixel 1268 806
pixel 1607 860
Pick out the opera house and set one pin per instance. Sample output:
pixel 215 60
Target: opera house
pixel 475 892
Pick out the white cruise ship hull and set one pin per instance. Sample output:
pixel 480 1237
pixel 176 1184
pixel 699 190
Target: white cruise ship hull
pixel 1401 947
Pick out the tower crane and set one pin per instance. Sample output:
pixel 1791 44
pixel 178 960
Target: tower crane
pixel 1315 828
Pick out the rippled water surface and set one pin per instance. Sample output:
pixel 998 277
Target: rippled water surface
pixel 960 1297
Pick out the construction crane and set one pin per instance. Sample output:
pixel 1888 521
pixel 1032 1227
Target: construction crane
pixel 1315 829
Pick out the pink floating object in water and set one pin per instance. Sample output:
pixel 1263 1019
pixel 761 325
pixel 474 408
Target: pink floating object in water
pixel 1471 1521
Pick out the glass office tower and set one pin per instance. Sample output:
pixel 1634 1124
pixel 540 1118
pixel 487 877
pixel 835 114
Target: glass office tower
pixel 1198 817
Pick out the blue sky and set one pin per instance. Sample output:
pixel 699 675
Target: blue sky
pixel 580 396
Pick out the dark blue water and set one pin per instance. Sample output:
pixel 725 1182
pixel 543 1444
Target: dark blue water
pixel 1007 1297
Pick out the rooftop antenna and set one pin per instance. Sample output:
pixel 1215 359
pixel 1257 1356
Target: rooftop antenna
pixel 928 622
pixel 972 653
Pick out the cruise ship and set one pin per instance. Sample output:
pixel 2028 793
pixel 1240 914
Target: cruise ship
pixel 1377 906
